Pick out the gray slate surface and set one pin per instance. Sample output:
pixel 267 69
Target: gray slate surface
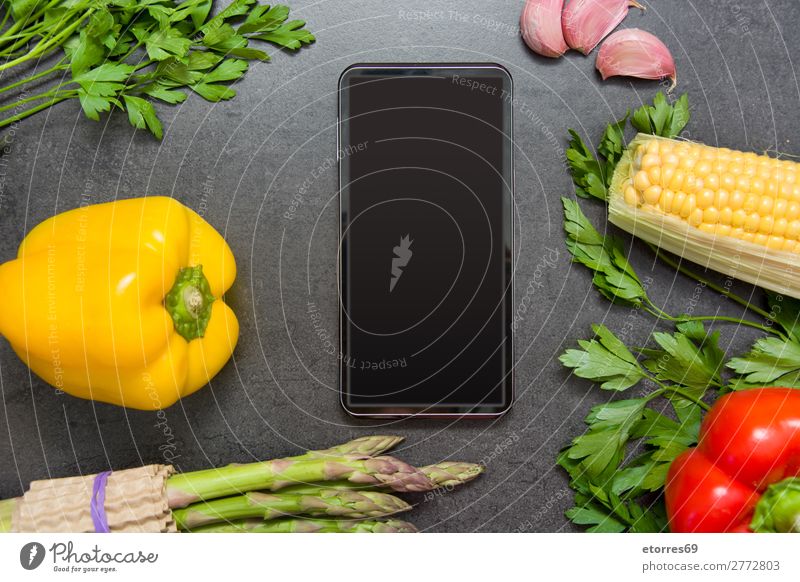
pixel 243 161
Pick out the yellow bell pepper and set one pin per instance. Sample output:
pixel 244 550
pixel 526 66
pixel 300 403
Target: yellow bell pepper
pixel 121 302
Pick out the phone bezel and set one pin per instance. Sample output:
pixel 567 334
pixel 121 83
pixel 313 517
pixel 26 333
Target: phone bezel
pixel 430 411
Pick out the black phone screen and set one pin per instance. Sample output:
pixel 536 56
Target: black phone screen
pixel 426 188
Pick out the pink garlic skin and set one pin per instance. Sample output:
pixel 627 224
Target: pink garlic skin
pixel 540 24
pixel 635 53
pixel 586 22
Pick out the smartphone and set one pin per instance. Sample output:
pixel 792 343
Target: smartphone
pixel 426 243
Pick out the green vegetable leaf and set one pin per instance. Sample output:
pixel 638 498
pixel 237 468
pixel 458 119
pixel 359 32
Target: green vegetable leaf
pixel 588 173
pixel 785 311
pixel 213 93
pixel 166 95
pixel 142 115
pixel 690 361
pixel 164 44
pixel 612 145
pixel 605 360
pixel 661 118
pixel 614 277
pixel 263 18
pixel 234 9
pixel 98 87
pixel 85 53
pixel 227 70
pixel 598 517
pixel 290 35
pixel 770 361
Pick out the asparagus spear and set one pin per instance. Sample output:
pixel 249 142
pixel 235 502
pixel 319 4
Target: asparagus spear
pixel 324 502
pixel 367 446
pixel 186 488
pixel 445 474
pixel 452 473
pixel 309 526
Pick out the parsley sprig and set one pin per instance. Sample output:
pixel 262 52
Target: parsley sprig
pixel 623 457
pixel 126 54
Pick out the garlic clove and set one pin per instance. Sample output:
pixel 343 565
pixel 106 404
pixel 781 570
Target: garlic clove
pixel 635 53
pixel 540 24
pixel 586 22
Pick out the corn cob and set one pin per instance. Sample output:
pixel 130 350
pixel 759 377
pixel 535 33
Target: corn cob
pixel 734 212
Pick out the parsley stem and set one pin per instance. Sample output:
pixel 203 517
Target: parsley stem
pixel 678 391
pixel 22 22
pixel 42 47
pixel 32 110
pixel 678 265
pixel 735 320
pixel 60 66
pixel 653 310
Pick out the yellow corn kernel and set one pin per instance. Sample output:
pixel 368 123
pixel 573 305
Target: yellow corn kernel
pixel 631 196
pixel 650 160
pixel 775 242
pixel 641 181
pixel 766 224
pixel 666 201
pixel 711 215
pixel 678 179
pixel 688 206
pixel 779 210
pixel 793 230
pixel 706 198
pixel 677 202
pixel 652 194
pixel 751 222
pixel 765 205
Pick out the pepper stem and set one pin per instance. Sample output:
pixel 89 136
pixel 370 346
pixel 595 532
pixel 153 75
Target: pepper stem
pixel 778 510
pixel 189 302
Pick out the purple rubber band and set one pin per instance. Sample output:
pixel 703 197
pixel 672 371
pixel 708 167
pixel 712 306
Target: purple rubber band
pixel 97 506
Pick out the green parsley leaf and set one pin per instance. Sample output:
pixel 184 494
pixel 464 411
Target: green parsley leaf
pixel 614 277
pixel 605 360
pixel 612 146
pixel 164 44
pixel 142 115
pixel 234 9
pixel 99 87
pixel 264 18
pixel 212 92
pixel 785 311
pixel 166 95
pixel 588 173
pixel 770 361
pixel 689 361
pixel 290 35
pixel 661 118
pixel 597 517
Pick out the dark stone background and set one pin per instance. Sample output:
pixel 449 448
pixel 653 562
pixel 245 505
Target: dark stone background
pixel 242 162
